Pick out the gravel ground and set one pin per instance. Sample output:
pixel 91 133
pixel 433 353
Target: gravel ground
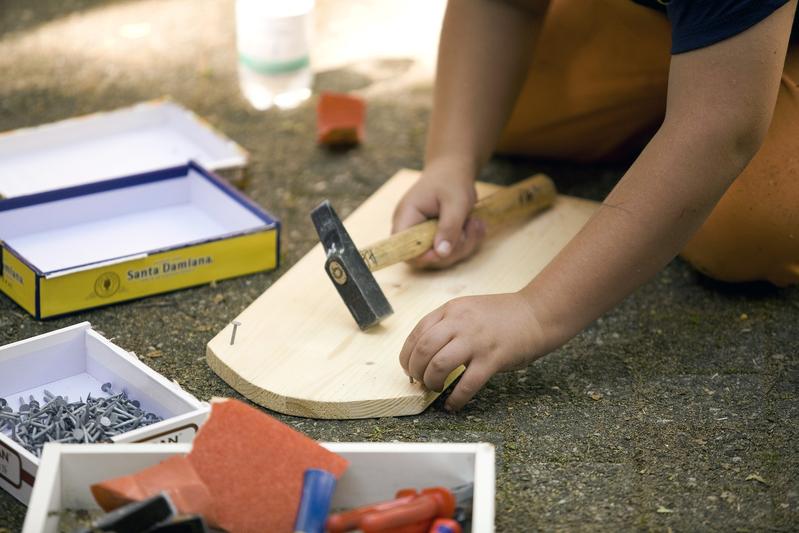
pixel 676 411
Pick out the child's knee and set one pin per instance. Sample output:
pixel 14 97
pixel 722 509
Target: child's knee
pixel 752 235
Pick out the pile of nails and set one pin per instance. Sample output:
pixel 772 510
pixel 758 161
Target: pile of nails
pixel 58 420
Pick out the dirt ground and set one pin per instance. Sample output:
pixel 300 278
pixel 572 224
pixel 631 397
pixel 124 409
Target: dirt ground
pixel 676 411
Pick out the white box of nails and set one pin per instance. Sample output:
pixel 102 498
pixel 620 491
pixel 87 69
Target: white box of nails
pixel 377 470
pixel 72 363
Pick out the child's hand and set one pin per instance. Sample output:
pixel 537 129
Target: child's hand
pixel 445 191
pixel 488 334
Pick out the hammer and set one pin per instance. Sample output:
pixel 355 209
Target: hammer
pixel 351 269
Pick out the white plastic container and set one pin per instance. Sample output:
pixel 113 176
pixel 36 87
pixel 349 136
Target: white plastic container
pixel 273 38
pixel 376 471
pixel 77 360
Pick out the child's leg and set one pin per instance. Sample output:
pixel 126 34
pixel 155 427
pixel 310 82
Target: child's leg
pixel 753 233
pixel 597 82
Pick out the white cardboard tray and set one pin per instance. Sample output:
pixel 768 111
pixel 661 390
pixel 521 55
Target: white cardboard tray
pixel 376 471
pixel 64 233
pixel 75 361
pixel 142 138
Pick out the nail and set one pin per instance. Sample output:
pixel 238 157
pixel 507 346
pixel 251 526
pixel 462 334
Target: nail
pixel 443 248
pixel 122 412
pixel 411 378
pixel 106 387
pixel 236 325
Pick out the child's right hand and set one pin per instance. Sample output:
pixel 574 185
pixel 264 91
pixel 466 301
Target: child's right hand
pixel 445 191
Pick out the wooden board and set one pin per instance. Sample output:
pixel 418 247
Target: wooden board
pixel 298 351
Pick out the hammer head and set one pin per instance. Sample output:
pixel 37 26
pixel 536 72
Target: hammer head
pixel 348 271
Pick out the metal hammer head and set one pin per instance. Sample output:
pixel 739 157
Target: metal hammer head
pixel 348 271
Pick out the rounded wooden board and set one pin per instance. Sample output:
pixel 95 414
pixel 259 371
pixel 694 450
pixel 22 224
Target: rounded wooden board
pixel 298 351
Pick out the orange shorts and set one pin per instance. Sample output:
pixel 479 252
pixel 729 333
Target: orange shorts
pixel 597 88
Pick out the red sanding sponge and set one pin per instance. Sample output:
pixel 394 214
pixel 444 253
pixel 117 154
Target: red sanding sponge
pixel 175 476
pixel 254 466
pixel 340 119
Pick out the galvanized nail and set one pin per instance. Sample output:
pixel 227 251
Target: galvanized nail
pixel 236 325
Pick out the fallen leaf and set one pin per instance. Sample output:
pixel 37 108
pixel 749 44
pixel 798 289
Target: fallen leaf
pixel 154 354
pixel 596 396
pixel 663 510
pixel 755 477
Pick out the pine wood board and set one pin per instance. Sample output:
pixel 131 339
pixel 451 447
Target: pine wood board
pixel 299 352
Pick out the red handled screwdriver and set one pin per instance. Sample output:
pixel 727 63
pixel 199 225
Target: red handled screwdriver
pixel 409 512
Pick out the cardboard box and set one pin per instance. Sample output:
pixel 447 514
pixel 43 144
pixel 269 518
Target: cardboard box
pixel 73 362
pixel 376 471
pixel 133 140
pixel 96 244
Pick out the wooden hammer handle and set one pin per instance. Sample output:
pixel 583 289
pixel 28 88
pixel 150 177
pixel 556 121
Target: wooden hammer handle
pixel 500 208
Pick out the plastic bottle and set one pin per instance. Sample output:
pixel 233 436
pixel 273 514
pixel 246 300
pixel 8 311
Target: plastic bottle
pixel 273 38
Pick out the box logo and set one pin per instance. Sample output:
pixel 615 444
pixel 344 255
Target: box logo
pixel 12 274
pixel 169 267
pixel 107 284
pixel 10 466
pixel 181 434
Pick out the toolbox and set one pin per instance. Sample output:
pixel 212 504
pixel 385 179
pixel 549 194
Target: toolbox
pixel 73 362
pixel 376 472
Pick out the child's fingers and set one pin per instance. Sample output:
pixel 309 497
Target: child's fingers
pixel 472 380
pixel 422 326
pixel 467 243
pixel 427 346
pixel 429 259
pixel 405 216
pixel 472 235
pixel 448 358
pixel 450 224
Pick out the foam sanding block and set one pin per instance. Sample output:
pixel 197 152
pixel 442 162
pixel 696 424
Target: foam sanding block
pixel 254 467
pixel 175 476
pixel 340 119
pixel 243 475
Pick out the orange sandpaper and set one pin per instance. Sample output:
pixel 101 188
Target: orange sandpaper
pixel 175 476
pixel 340 119
pixel 254 465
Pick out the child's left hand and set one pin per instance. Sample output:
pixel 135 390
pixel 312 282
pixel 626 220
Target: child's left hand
pixel 488 334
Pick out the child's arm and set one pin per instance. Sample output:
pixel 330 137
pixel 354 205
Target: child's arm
pixel 720 102
pixel 483 57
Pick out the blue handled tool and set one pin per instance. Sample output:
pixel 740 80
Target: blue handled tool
pixel 317 491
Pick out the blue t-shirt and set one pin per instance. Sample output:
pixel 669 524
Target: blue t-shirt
pixel 699 23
